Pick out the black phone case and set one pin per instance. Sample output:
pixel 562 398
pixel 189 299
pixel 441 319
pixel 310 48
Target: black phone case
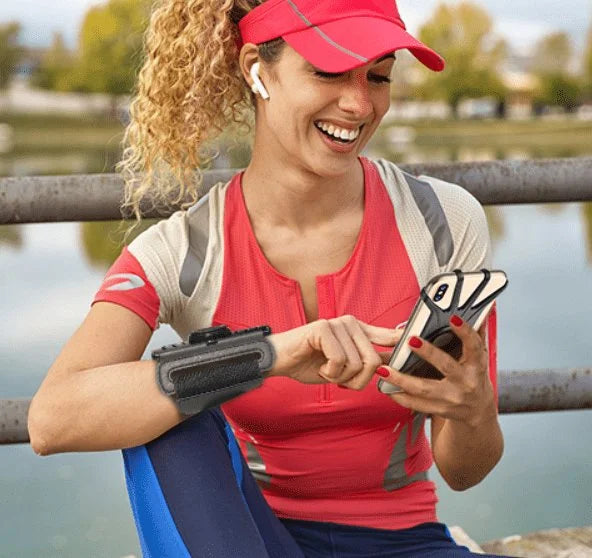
pixel 437 328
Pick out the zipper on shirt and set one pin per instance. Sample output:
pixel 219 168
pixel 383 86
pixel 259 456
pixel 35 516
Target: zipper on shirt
pixel 326 309
pixel 325 394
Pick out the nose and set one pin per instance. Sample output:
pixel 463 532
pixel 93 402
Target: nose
pixel 355 98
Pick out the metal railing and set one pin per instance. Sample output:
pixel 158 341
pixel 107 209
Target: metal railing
pixel 97 197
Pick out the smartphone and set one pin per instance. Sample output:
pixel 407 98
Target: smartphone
pixel 470 295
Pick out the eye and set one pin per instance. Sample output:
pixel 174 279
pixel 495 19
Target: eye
pixel 376 78
pixel 327 75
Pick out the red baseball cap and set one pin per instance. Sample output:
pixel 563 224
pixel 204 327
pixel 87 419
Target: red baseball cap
pixel 337 35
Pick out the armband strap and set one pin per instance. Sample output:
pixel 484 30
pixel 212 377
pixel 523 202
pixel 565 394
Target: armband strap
pixel 214 366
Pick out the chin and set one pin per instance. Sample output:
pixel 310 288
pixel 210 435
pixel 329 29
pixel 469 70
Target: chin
pixel 331 166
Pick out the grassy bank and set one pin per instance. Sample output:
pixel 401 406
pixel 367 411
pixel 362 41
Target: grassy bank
pixel 52 135
pixel 47 134
pixel 492 133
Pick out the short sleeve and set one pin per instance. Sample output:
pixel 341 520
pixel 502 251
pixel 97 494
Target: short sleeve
pixel 127 285
pixel 160 250
pixel 154 257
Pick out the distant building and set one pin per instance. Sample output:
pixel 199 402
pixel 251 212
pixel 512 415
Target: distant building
pixel 30 61
pixel 522 87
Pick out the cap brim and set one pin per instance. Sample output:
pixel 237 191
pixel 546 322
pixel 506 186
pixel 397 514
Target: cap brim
pixel 345 44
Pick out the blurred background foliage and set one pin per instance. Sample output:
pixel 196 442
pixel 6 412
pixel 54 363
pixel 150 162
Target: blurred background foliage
pixel 10 51
pixel 108 55
pixel 462 34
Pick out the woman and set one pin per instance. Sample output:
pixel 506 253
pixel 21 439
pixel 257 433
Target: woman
pixel 328 248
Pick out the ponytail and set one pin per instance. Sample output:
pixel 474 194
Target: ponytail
pixel 189 90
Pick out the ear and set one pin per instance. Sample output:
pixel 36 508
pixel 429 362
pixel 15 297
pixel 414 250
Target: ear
pixel 248 56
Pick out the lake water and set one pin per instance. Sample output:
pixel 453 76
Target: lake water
pixel 76 505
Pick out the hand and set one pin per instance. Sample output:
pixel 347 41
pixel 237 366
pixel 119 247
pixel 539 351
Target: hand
pixel 464 394
pixel 338 351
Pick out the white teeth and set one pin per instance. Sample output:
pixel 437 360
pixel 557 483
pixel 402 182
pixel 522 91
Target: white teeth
pixel 340 133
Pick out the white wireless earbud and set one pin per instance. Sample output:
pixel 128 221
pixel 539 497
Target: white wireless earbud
pixel 257 86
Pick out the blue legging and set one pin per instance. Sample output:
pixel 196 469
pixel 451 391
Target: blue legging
pixel 192 495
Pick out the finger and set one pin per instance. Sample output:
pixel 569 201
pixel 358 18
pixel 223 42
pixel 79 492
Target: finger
pixel 386 337
pixel 483 331
pixel 353 362
pixel 324 340
pixel 418 404
pixel 435 356
pixel 412 385
pixel 358 377
pixel 471 340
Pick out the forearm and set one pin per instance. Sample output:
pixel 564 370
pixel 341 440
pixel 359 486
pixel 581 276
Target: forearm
pixel 104 408
pixel 466 452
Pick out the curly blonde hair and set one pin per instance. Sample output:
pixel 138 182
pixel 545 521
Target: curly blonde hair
pixel 189 90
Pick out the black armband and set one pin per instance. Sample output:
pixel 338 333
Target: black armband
pixel 214 366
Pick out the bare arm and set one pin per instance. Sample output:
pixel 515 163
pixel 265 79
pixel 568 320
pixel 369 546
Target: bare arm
pixel 467 447
pixel 466 452
pixel 467 441
pixel 97 395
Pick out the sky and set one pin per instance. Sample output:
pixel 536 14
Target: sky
pixel 521 22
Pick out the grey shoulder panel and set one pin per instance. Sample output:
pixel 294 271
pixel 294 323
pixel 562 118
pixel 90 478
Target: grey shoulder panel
pixel 198 226
pixel 435 218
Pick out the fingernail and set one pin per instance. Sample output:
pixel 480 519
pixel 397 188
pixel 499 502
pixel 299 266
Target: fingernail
pixel 415 342
pixel 456 321
pixel 382 371
pixel 342 387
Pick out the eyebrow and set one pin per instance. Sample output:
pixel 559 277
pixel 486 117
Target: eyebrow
pixel 386 57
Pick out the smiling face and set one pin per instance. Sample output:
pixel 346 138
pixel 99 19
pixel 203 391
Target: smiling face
pixel 317 121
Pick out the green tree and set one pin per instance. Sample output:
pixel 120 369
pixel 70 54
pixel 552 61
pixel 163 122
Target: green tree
pixel 10 51
pixel 552 54
pixel 103 240
pixel 110 47
pixel 463 34
pixel 56 68
pixel 558 89
pixel 551 65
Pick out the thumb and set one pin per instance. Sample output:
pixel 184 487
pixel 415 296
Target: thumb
pixel 383 336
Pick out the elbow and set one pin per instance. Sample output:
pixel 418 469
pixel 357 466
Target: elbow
pixel 463 479
pixel 42 430
pixel 37 435
pixel 460 483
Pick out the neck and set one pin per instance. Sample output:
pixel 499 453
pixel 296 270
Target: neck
pixel 294 198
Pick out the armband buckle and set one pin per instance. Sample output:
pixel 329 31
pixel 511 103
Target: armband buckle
pixel 213 366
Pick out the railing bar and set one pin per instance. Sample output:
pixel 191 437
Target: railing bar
pixel 520 391
pixel 96 197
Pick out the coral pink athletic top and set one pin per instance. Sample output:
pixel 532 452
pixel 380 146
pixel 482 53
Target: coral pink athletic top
pixel 318 452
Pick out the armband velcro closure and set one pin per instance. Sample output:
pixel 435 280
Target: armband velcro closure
pixel 214 366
